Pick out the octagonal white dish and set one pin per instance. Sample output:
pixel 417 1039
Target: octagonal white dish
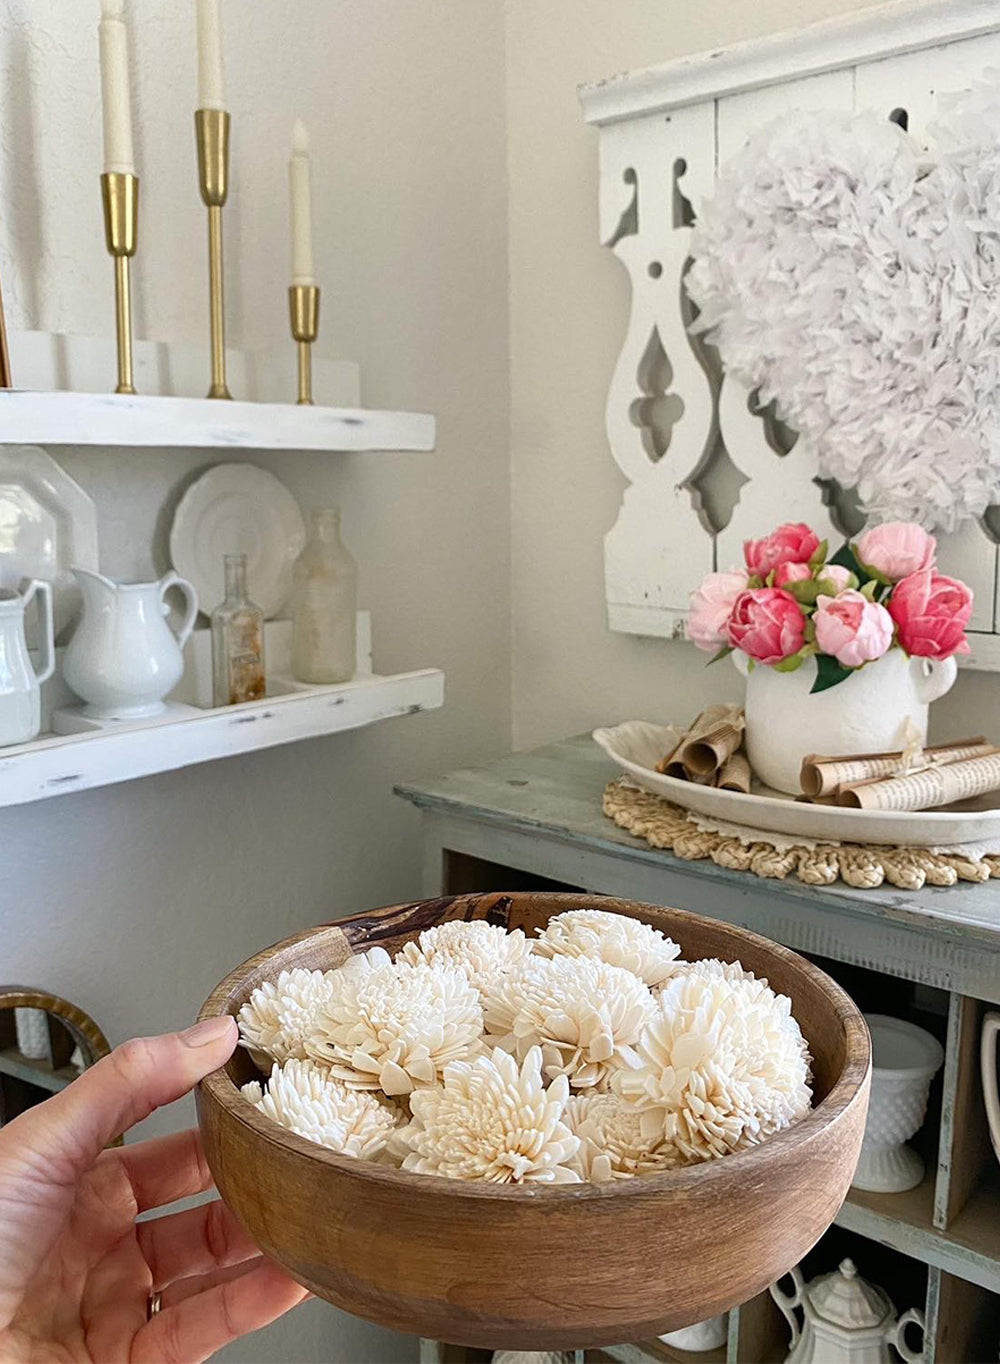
pixel 48 525
pixel 638 745
pixel 238 509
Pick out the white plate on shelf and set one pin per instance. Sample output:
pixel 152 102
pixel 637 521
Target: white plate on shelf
pixel 637 746
pixel 238 509
pixel 48 525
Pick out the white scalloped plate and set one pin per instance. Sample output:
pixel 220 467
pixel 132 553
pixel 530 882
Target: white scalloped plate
pixel 637 746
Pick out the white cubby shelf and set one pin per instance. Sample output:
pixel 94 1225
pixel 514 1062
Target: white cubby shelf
pixel 62 397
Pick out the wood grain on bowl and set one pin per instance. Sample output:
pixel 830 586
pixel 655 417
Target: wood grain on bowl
pixel 542 1267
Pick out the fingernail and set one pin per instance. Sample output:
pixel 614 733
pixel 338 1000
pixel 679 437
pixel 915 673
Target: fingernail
pixel 208 1030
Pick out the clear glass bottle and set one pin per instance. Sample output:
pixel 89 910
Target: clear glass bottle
pixel 324 604
pixel 237 641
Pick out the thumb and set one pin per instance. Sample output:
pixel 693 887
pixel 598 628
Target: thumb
pixel 69 1130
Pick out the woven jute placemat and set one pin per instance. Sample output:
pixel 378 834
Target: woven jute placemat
pixel 866 866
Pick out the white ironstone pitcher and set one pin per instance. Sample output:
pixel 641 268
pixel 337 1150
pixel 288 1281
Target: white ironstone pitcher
pixel 124 658
pixel 845 1320
pixel 20 682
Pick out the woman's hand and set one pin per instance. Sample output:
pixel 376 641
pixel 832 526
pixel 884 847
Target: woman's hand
pixel 77 1271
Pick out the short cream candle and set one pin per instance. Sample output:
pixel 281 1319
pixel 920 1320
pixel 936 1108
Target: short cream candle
pixel 299 179
pixel 118 152
pixel 211 82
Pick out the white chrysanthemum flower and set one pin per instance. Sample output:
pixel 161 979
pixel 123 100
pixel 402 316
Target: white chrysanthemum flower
pixel 485 952
pixel 305 1099
pixel 492 1120
pixel 709 968
pixel 612 1145
pixel 614 938
pixel 583 1014
pixel 721 1066
pixel 396 1027
pixel 276 1018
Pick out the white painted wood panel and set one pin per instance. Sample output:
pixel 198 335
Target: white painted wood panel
pixel 724 476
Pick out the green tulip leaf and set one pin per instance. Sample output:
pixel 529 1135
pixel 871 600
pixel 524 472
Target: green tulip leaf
pixel 829 673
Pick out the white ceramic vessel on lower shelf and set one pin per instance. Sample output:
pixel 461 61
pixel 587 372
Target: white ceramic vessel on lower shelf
pixel 905 1059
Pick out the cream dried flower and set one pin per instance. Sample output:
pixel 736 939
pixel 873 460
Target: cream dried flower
pixel 485 952
pixel 612 1145
pixel 709 968
pixel 614 938
pixel 492 1120
pixel 395 1027
pixel 305 1099
pixel 583 1014
pixel 276 1018
pixel 721 1066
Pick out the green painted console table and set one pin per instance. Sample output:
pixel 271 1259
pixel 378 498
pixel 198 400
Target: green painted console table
pixel 534 820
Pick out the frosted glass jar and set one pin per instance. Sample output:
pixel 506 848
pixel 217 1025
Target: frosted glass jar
pixel 324 604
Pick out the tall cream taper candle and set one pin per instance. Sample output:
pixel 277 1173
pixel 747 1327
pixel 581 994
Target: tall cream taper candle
pixel 211 83
pixel 299 180
pixel 118 153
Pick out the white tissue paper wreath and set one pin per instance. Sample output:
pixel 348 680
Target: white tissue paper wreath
pixel 855 281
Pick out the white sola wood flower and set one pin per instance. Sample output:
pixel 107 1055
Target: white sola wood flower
pixel 395 1027
pixel 492 1120
pixel 485 952
pixel 306 1100
pixel 276 1018
pixel 721 1066
pixel 612 1144
pixel 583 1014
pixel 614 938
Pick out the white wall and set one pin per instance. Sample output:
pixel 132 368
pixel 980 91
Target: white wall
pixel 568 311
pixel 133 901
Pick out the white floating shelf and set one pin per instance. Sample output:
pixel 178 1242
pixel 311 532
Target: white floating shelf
pixel 58 765
pixel 63 397
pixel 118 419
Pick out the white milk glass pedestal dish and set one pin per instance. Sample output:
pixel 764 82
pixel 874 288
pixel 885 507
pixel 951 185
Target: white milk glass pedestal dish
pixel 905 1059
pixel 878 709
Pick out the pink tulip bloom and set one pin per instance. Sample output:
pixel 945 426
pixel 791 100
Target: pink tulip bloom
pixel 852 628
pixel 836 574
pixel 793 543
pixel 791 573
pixel 896 550
pixel 931 613
pixel 767 624
pixel 711 606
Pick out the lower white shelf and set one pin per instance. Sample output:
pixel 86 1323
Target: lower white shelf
pixel 59 764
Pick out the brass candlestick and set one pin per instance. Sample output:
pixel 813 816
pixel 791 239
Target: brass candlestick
pixel 303 313
pixel 212 132
pixel 5 378
pixel 120 195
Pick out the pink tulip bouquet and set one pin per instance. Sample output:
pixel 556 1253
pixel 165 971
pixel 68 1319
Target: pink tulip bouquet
pixel 791 602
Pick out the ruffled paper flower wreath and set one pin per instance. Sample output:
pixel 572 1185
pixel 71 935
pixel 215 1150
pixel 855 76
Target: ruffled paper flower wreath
pixel 853 281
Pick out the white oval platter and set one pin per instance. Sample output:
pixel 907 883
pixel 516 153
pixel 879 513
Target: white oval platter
pixel 638 745
pixel 238 509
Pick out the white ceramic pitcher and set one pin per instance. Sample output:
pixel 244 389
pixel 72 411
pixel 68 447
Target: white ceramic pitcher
pixel 123 658
pixel 878 709
pixel 20 683
pixel 844 1320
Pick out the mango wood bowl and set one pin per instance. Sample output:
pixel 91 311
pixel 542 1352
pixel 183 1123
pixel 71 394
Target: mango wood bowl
pixel 541 1267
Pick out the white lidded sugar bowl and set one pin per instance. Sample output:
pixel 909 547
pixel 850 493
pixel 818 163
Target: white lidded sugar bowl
pixel 845 1320
pixel 905 1059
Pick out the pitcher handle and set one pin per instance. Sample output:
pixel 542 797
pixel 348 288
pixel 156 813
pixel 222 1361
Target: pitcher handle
pixel 896 1335
pixel 932 677
pixel 789 1301
pixel 46 642
pixel 988 1066
pixel 173 579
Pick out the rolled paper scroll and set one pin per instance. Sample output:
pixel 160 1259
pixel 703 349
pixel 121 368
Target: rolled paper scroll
pixel 822 776
pixel 734 774
pixel 715 735
pixel 924 790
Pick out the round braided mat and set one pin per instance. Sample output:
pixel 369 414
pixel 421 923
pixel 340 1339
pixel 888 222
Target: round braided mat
pixel 866 866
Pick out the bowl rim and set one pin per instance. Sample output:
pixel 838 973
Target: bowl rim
pixel 223 1091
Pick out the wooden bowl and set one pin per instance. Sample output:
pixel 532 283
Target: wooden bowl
pixel 541 1267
